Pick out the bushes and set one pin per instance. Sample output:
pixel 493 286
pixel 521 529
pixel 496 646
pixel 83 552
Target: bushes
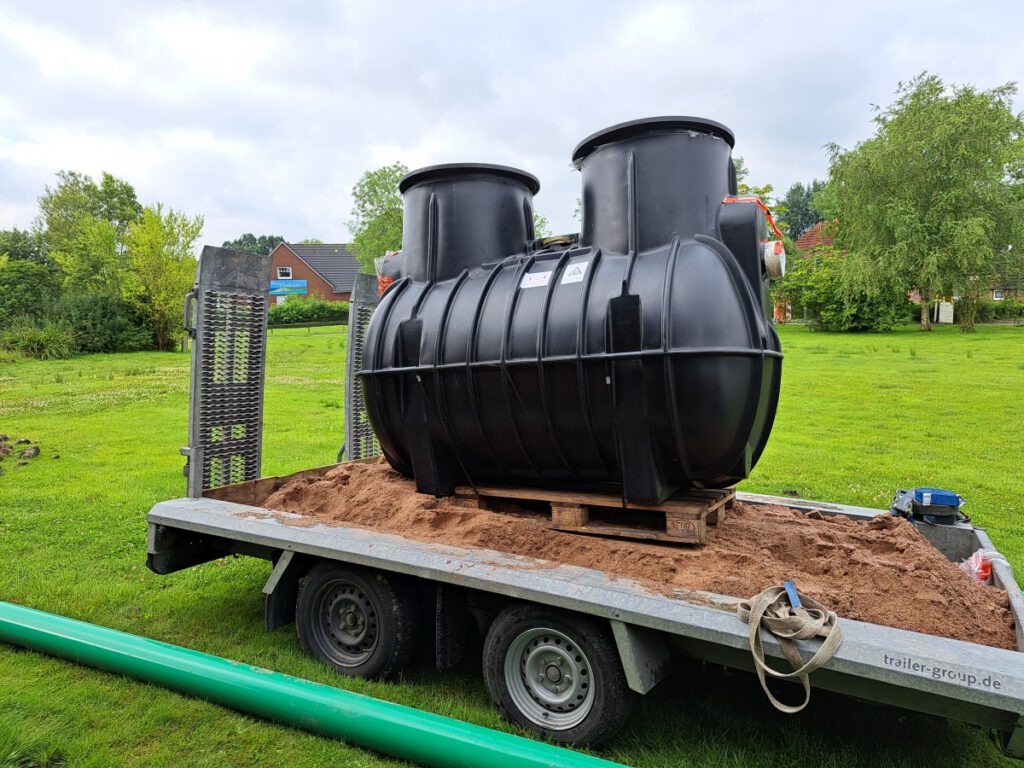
pixel 72 324
pixel 988 310
pixel 44 339
pixel 27 289
pixel 104 323
pixel 297 309
pixel 814 287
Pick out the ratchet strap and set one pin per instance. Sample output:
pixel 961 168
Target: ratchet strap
pixel 774 611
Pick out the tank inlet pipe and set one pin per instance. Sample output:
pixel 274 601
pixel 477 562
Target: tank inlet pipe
pixel 391 729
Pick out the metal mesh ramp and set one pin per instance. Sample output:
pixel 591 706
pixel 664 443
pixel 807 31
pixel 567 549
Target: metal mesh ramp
pixel 360 442
pixel 226 315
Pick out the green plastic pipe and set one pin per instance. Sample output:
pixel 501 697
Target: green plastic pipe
pixel 391 729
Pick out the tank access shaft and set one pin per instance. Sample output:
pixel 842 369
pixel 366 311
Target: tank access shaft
pixel 420 737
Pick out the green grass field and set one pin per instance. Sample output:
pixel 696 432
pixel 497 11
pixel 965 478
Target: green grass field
pixel 860 416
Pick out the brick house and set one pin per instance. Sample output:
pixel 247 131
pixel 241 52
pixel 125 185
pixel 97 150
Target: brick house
pixel 821 234
pixel 328 269
pixel 1011 289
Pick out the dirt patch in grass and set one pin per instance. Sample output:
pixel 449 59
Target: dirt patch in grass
pixel 881 571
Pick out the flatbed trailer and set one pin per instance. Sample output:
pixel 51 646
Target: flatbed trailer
pixel 954 679
pixel 565 646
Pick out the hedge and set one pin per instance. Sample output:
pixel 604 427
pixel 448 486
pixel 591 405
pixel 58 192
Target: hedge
pixel 297 310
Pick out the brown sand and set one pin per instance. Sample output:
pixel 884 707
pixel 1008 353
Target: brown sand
pixel 881 571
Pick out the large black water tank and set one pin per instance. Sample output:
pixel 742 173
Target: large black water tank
pixel 640 358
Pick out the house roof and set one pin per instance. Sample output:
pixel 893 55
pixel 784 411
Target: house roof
pixel 820 234
pixel 334 262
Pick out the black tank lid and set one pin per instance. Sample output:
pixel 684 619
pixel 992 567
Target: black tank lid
pixel 649 126
pixel 463 170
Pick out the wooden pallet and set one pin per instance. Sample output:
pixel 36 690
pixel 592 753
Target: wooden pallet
pixel 683 519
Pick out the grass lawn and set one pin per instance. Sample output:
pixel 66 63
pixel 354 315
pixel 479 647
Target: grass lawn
pixel 860 416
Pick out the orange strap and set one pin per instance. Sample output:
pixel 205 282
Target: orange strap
pixel 756 200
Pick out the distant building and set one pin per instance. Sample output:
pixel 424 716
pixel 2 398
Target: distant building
pixel 325 270
pixel 1011 289
pixel 821 234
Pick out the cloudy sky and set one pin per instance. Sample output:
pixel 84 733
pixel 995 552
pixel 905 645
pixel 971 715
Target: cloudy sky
pixel 262 115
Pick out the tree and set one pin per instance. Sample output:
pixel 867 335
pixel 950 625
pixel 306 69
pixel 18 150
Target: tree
pixel 801 210
pixel 376 223
pixel 62 208
pixel 250 243
pixel 541 227
pixel 27 289
pixel 77 198
pixel 777 207
pixel 934 201
pixel 90 256
pixel 21 245
pixel 160 250
pixel 118 204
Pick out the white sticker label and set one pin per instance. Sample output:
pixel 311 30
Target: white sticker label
pixel 574 272
pixel 535 279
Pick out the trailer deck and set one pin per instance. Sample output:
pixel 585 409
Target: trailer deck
pixel 949 678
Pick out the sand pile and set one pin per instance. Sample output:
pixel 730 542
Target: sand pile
pixel 881 571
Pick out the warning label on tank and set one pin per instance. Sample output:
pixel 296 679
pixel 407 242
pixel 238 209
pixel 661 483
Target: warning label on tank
pixel 535 279
pixel 574 272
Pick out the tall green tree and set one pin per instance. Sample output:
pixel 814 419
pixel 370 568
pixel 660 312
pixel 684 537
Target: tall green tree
pixel 82 227
pixel 77 197
pixel 376 223
pixel 90 257
pixel 934 201
pixel 21 245
pixel 161 255
pixel 250 243
pixel 801 209
pixel 118 204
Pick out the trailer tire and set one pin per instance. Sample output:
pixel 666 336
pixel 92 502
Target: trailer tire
pixel 360 621
pixel 557 673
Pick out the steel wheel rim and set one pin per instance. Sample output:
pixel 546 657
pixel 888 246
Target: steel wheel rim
pixel 549 678
pixel 346 623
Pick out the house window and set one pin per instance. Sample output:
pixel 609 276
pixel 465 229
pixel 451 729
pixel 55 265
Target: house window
pixel 998 294
pixel 284 273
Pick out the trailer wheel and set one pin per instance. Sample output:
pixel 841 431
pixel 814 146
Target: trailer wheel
pixel 359 621
pixel 557 674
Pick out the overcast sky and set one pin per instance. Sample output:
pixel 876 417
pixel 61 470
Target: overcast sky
pixel 262 115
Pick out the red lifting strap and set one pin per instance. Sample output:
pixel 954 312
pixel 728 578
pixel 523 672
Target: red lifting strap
pixel 756 200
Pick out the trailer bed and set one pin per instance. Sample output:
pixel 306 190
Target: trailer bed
pixel 950 678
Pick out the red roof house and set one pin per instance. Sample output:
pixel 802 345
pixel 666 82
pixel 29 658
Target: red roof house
pixel 822 233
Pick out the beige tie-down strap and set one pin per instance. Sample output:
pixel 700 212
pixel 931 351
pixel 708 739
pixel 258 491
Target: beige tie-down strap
pixel 773 611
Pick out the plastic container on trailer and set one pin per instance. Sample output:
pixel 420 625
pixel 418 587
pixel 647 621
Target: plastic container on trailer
pixel 638 356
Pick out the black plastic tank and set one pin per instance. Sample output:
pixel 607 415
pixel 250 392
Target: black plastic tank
pixel 638 358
